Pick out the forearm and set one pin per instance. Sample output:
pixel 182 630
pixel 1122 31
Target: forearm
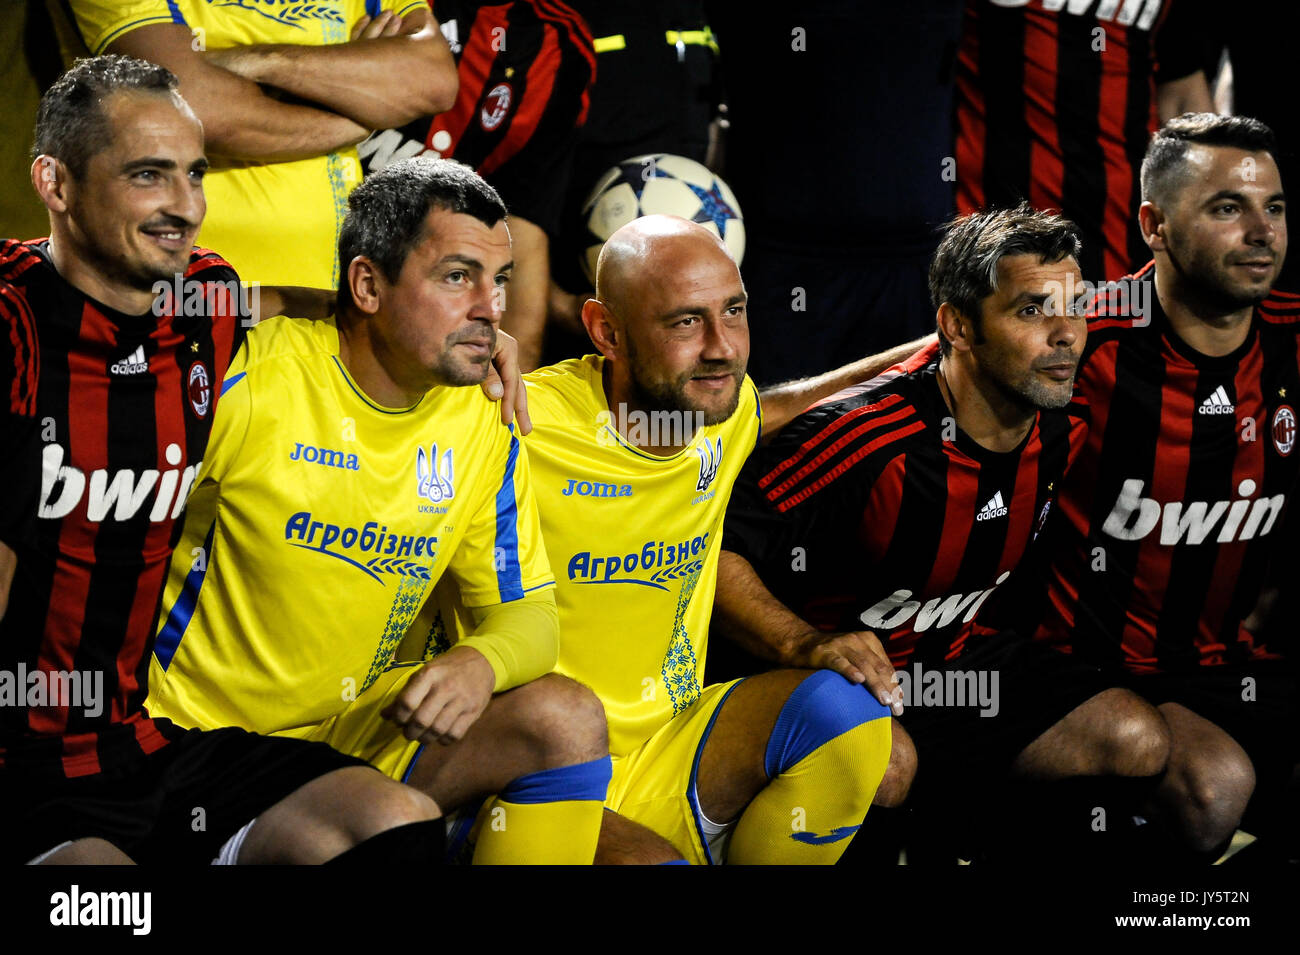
pixel 745 612
pixel 782 403
pixel 526 299
pixel 378 83
pixel 519 638
pixel 239 120
pixel 8 564
pixel 293 300
pixel 1189 94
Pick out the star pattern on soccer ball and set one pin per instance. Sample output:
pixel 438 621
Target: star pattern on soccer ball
pixel 713 208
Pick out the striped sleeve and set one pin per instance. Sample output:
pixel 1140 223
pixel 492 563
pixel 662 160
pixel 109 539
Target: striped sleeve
pixel 815 475
pixel 103 21
pixel 502 556
pixel 20 473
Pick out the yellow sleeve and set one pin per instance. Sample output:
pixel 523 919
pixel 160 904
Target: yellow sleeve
pixel 502 556
pixel 403 7
pixel 103 21
pixel 521 638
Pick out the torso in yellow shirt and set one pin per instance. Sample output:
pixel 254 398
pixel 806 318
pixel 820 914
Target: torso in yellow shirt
pixel 634 541
pixel 276 223
pixel 317 528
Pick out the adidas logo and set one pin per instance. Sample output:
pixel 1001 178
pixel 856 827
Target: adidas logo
pixel 994 508
pixel 134 364
pixel 1217 403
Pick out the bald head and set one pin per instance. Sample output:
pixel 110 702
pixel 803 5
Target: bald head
pixel 649 248
pixel 670 318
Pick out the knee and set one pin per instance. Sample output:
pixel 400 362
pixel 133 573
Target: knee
pixel 382 804
pixel 1215 788
pixel 842 721
pixel 897 781
pixel 562 719
pixel 1136 741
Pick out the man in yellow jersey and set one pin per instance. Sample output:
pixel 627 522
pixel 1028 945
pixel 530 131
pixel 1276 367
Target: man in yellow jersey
pixel 346 474
pixel 634 454
pixel 285 92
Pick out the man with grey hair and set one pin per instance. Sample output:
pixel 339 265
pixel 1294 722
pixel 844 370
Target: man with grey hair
pixel 875 528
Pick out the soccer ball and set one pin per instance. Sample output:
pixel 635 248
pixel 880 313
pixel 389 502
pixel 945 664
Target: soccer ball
pixel 660 183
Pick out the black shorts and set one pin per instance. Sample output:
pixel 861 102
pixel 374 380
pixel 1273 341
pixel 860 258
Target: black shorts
pixel 1254 703
pixel 1035 688
pixel 177 805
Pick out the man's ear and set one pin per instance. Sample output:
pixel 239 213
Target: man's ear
pixel 1151 219
pixel 955 327
pixel 365 282
pixel 601 328
pixel 50 179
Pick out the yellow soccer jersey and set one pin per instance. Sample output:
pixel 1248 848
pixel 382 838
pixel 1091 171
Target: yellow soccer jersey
pixel 634 541
pixel 276 223
pixel 318 526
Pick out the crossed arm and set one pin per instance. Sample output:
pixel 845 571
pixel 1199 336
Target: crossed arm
pixel 392 71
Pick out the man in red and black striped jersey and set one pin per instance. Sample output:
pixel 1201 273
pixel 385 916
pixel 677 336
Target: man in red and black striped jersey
pixel 881 521
pixel 1056 102
pixel 525 70
pixel 113 334
pixel 1168 524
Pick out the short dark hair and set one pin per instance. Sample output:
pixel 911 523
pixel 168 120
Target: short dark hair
pixel 1163 164
pixel 386 212
pixel 964 270
pixel 71 124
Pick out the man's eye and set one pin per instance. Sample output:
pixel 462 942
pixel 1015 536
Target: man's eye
pixel 1225 209
pixel 198 174
pixel 145 175
pixel 1031 311
pixel 688 321
pixel 459 275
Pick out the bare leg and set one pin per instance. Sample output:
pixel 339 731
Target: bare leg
pixel 624 842
pixel 1115 733
pixel 89 852
pixel 330 815
pixel 552 721
pixel 1209 781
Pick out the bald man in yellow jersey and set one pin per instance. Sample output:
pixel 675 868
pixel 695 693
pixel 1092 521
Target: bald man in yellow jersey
pixel 348 471
pixel 634 452
pixel 285 91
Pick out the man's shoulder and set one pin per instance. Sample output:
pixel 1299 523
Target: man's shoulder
pixel 24 261
pixel 1281 312
pixel 564 392
pixel 849 439
pixel 284 339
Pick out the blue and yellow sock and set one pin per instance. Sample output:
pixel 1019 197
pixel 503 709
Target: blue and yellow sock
pixel 550 817
pixel 825 758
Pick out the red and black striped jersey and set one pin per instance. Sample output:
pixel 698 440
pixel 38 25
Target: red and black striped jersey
pixel 112 412
pixel 1166 525
pixel 525 69
pixel 1056 104
pixel 874 511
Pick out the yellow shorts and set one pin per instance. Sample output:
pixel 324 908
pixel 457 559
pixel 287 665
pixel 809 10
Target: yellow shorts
pixel 655 783
pixel 360 730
